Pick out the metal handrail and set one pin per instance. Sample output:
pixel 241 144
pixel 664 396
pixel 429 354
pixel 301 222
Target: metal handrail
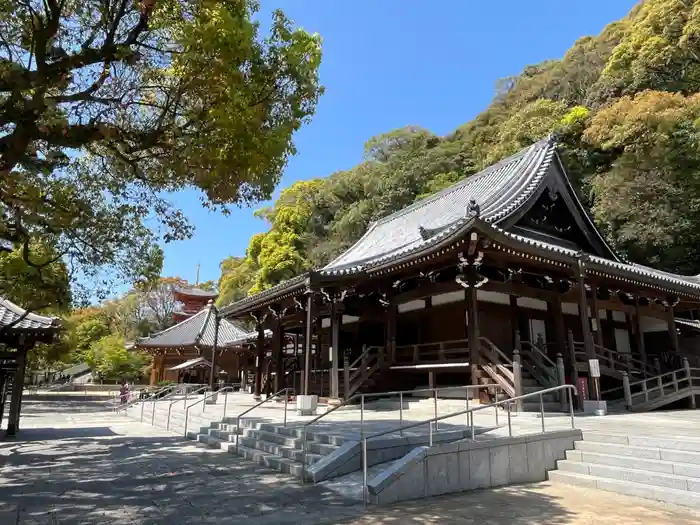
pixel 508 402
pixel 155 400
pixel 135 401
pixel 184 405
pixel 249 409
pixel 207 396
pixel 400 393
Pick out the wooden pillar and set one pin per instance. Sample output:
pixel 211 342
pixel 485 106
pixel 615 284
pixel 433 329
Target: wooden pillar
pixel 583 312
pixel 214 348
pixel 514 318
pixel 259 360
pixel 17 388
pixel 596 317
pixel 154 370
pixel 244 373
pixel 321 358
pixel 557 314
pixel 390 332
pixel 278 349
pixel 672 332
pixel 307 341
pixel 473 325
pixel 638 332
pixel 336 321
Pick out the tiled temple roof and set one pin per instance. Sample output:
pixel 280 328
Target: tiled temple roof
pixel 498 191
pixel 197 330
pixel 10 313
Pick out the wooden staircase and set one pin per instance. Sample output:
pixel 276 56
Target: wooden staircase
pixel 655 392
pixel 530 370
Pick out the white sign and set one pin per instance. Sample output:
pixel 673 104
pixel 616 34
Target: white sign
pixel 594 368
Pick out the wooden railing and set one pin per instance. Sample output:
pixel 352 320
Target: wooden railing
pixel 615 361
pixel 657 391
pixel 497 365
pixel 431 352
pixel 355 374
pixel 538 364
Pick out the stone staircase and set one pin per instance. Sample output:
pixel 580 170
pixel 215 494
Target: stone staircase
pixel 274 446
pixel 652 467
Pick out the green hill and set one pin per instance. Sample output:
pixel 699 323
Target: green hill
pixel 625 105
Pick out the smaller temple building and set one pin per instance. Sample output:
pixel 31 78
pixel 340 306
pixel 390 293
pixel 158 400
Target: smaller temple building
pixel 196 350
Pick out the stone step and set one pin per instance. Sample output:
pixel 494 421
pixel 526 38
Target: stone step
pixel 639 452
pixel 278 450
pixel 630 488
pixel 635 475
pixel 222 434
pixel 296 432
pixel 652 465
pixel 688 445
pixel 278 439
pixel 285 465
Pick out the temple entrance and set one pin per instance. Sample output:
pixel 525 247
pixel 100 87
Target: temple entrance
pixel 537 329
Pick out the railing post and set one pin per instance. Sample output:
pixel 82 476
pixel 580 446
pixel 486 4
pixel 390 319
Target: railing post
pixel 627 390
pixel 689 378
pixel 517 379
pixel 657 365
pixel 561 380
pixel 416 355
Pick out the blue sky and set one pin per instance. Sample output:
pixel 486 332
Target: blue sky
pixel 388 64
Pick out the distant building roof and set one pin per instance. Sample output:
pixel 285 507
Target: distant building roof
pixel 11 314
pixel 196 292
pixel 196 331
pixel 82 368
pixel 192 363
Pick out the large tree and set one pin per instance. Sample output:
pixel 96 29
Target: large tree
pixel 107 104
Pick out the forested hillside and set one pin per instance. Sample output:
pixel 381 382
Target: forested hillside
pixel 626 106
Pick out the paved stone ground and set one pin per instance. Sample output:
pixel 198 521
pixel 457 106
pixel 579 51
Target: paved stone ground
pixel 76 464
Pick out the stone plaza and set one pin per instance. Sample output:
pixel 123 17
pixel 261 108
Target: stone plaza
pixel 79 463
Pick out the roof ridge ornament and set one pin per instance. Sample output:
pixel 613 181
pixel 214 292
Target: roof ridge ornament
pixel 473 209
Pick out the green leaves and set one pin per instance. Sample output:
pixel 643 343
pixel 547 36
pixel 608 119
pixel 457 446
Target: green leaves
pixel 104 108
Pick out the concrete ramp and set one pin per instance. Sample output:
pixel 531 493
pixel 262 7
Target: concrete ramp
pixel 470 465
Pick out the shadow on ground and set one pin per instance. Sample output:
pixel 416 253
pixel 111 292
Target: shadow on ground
pixel 112 472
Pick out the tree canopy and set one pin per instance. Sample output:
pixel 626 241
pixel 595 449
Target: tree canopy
pixel 106 107
pixel 625 106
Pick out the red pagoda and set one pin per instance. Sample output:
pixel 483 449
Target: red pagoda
pixel 193 301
